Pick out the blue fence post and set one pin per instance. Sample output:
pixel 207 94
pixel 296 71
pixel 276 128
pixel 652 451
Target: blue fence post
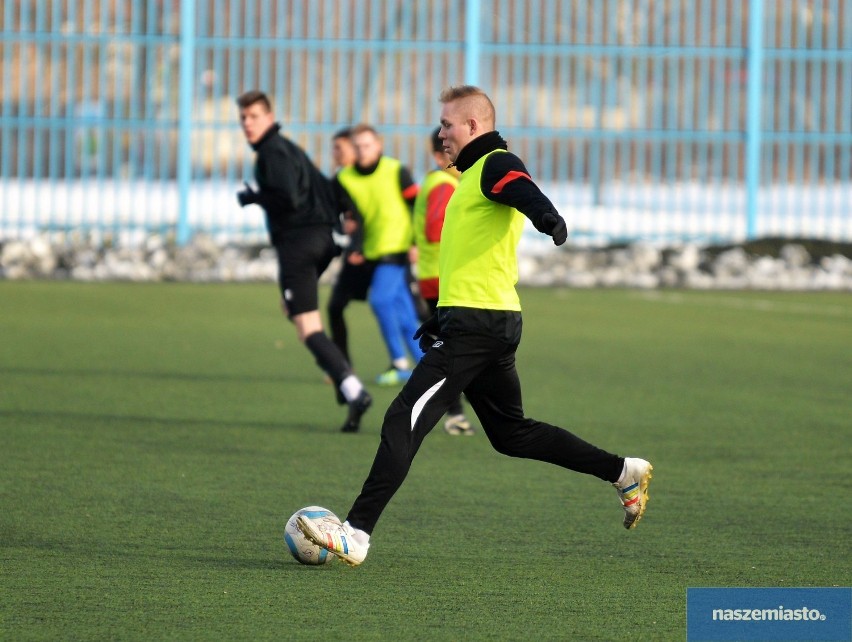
pixel 185 95
pixel 753 113
pixel 472 43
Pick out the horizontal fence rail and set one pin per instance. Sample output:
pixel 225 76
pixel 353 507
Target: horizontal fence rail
pixel 661 120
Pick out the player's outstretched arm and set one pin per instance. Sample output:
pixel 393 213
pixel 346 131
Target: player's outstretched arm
pixel 505 180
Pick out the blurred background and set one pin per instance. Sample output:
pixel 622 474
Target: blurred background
pixel 655 120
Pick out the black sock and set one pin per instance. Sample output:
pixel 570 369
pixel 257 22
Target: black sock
pixel 455 407
pixel 339 334
pixel 328 357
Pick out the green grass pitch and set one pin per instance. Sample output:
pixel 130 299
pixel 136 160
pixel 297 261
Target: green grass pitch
pixel 156 437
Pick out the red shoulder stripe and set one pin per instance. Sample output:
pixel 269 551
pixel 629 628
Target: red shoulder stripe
pixel 411 191
pixel 508 178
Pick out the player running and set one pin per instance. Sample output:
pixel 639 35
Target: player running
pixel 473 338
pixel 300 212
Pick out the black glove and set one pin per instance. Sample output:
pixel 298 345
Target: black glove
pixel 428 332
pixel 554 225
pixel 559 232
pixel 247 196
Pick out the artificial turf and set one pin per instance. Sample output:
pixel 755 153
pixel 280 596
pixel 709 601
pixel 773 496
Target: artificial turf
pixel 156 437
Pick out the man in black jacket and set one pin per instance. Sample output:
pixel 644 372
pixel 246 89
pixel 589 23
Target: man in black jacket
pixel 301 212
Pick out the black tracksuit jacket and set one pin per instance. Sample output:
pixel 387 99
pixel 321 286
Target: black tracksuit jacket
pixel 292 191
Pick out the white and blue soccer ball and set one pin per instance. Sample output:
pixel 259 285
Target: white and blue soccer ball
pixel 303 550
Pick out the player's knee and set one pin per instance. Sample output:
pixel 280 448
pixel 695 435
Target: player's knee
pixel 503 448
pixel 509 445
pixel 380 299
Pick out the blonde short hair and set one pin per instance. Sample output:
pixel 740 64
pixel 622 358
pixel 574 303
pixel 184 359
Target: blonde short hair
pixel 478 101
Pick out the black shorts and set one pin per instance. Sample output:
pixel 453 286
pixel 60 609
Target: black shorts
pixel 303 255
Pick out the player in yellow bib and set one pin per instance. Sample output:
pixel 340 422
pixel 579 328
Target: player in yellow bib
pixel 353 279
pixel 381 193
pixel 472 341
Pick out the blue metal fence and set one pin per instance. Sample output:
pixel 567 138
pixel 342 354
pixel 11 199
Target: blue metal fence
pixel 643 119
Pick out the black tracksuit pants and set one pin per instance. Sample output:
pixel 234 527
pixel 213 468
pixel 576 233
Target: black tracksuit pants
pixel 474 354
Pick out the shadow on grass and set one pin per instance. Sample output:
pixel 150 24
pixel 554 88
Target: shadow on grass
pixel 297 377
pixel 285 565
pixel 72 419
pixel 171 556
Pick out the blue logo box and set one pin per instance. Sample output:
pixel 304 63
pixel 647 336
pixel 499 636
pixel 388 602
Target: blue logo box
pixel 758 614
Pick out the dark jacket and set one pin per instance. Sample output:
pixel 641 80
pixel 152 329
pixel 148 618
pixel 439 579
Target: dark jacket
pixel 292 191
pixel 505 180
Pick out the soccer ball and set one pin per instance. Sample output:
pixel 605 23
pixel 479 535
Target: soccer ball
pixel 302 549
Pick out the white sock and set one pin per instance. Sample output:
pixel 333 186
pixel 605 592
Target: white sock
pixel 401 363
pixel 351 387
pixel 360 536
pixel 623 472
